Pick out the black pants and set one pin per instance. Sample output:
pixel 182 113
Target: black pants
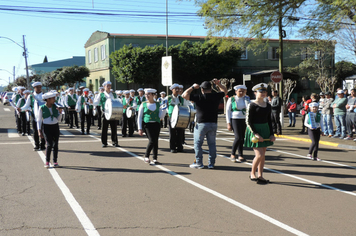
pixel 276 122
pixel 164 122
pixel 350 122
pixel 72 114
pixel 104 131
pixel 21 125
pixel 314 135
pixel 127 122
pixel 303 126
pixel 36 137
pixel 239 128
pixel 66 116
pixel 98 113
pixel 51 134
pixel 84 117
pixel 175 138
pixel 152 132
pixel 18 122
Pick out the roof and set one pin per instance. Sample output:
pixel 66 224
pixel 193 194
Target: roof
pixel 79 61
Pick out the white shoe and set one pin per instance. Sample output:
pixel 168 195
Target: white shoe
pixel 47 165
pixel 146 159
pixel 196 166
pixel 309 156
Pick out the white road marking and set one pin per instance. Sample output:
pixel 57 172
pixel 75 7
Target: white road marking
pixel 21 143
pixel 77 209
pixel 12 133
pixel 7 109
pixel 66 133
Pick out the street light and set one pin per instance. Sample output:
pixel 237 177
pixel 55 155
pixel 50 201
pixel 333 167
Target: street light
pixel 13 74
pixel 24 54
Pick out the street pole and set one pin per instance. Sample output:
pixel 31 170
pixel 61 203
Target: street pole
pixel 167 36
pixel 13 74
pixel 280 31
pixel 25 55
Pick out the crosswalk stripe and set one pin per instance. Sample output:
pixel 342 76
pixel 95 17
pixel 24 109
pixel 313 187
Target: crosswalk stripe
pixel 6 109
pixel 12 133
pixel 66 133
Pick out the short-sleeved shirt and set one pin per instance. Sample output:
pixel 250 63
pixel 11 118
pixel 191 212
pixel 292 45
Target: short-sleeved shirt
pixel 207 106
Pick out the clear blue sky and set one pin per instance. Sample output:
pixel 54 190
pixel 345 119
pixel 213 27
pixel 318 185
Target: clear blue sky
pixel 61 36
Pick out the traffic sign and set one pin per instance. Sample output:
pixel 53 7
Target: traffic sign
pixel 276 77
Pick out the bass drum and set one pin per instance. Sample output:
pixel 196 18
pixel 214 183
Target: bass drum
pixel 36 107
pixel 129 113
pixel 180 117
pixel 113 109
pixel 192 113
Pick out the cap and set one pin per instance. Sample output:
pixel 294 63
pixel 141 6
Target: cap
pixel 173 86
pixel 327 93
pixel 26 91
pixel 162 92
pixel 340 92
pixel 106 83
pixel 132 91
pixel 126 92
pixel 86 90
pixel 313 104
pixel 240 87
pixel 48 95
pixel 180 86
pixel 150 90
pixel 140 89
pixel 36 84
pixel 321 94
pixel 260 87
pixel 205 85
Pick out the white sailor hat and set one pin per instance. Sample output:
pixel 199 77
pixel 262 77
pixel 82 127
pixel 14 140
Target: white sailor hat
pixel 101 88
pixel 150 90
pixel 126 92
pixel 120 91
pixel 69 89
pixel 96 92
pixel 14 89
pixel 117 91
pixel 81 87
pixel 106 83
pixel 77 90
pixel 26 91
pixel 180 86
pixel 140 89
pixel 173 86
pixel 21 88
pixel 36 84
pixel 162 92
pixel 90 92
pixel 86 90
pixel 48 95
pixel 241 86
pixel 260 87
pixel 313 104
pixel 132 91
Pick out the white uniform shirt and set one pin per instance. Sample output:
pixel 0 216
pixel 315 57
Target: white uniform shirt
pixel 48 120
pixel 152 107
pixel 241 103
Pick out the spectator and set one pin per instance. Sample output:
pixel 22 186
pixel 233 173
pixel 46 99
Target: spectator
pixel 327 112
pixel 339 106
pixel 292 108
pixel 304 111
pixel 350 114
pixel 276 111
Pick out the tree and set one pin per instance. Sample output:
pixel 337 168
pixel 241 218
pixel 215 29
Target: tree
pixel 45 59
pixel 72 74
pixel 344 69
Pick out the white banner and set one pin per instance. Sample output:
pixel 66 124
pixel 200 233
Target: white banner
pixel 167 71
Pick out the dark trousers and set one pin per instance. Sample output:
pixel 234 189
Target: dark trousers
pixel 23 122
pixel 164 122
pixel 152 132
pixel 175 138
pixel 350 122
pixel 72 114
pixel 314 135
pixel 303 126
pixel 98 109
pixel 84 117
pixel 51 134
pixel 36 137
pixel 276 122
pixel 127 122
pixel 239 128
pixel 104 131
pixel 18 123
pixel 67 119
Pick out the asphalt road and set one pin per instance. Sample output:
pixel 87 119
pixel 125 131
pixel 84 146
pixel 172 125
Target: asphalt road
pixel 111 191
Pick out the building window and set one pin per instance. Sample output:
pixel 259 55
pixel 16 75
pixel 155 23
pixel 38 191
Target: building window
pixel 273 53
pixel 317 55
pixel 103 52
pixel 303 54
pixel 96 58
pixel 244 54
pixel 89 56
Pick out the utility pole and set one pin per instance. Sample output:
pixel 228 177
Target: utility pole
pixel 167 35
pixel 280 31
pixel 25 55
pixel 13 74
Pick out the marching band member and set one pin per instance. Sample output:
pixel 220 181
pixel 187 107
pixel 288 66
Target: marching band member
pixel 259 125
pixel 97 107
pixel 236 120
pixel 180 92
pixel 139 99
pixel 129 103
pixel 92 97
pixel 30 103
pixel 82 101
pixel 312 122
pixel 100 101
pixel 70 101
pixel 47 124
pixel 25 126
pixel 119 94
pixel 13 103
pixel 149 116
pixel 175 134
pixel 163 102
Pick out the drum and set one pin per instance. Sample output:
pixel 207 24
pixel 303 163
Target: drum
pixel 192 113
pixel 86 109
pixel 36 107
pixel 129 112
pixel 113 109
pixel 180 117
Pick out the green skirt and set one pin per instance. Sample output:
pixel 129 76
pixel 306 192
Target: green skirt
pixel 262 130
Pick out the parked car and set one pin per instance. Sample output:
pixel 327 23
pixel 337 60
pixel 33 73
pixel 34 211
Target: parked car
pixel 6 98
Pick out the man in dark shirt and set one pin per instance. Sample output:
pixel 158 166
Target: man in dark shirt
pixel 275 115
pixel 207 104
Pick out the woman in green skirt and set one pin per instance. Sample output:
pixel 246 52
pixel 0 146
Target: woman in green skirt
pixel 259 125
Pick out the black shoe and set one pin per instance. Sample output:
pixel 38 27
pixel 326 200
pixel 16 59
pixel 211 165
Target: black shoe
pixel 116 145
pixel 77 127
pixel 124 135
pixel 36 148
pixel 88 133
pixel 82 132
pixel 262 181
pixel 43 148
pixel 99 128
pixel 289 126
pixel 71 127
pixel 293 125
pixel 23 134
pixel 180 150
pixel 131 135
pixel 173 151
pixel 104 145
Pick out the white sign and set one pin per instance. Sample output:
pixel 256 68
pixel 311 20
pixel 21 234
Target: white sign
pixel 167 71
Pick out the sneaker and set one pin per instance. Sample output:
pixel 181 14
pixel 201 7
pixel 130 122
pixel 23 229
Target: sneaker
pixel 355 140
pixel 309 156
pixel 196 166
pixel 211 166
pixel 335 136
pixel 330 135
pixel 342 137
pixel 146 159
pixel 46 165
pixel 155 162
pixel 55 165
pixel 316 159
pixel 233 159
pixel 348 138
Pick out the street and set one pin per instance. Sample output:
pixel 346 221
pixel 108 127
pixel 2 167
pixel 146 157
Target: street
pixel 112 191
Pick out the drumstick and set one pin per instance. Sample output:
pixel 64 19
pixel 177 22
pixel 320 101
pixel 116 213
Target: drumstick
pixel 255 139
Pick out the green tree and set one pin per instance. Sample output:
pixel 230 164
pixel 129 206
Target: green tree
pixel 72 74
pixel 344 69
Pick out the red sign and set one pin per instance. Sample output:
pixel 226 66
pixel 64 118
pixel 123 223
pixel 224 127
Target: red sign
pixel 276 77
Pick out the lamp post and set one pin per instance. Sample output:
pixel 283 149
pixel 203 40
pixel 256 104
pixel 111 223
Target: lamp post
pixel 24 54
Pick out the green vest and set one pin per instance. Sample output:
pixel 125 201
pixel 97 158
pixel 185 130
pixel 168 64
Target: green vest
pixel 171 107
pixel 149 115
pixel 22 103
pixel 103 100
pixel 83 101
pixel 57 99
pixel 125 103
pixel 137 99
pixel 32 100
pixel 46 113
pixel 71 101
pixel 317 118
pixel 17 97
pixel 234 106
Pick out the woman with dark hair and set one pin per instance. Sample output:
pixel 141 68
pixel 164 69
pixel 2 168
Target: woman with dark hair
pixel 304 111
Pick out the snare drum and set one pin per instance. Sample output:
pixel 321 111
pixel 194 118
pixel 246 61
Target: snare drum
pixel 113 109
pixel 86 109
pixel 129 113
pixel 36 107
pixel 180 117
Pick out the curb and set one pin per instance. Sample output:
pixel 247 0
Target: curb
pixel 320 142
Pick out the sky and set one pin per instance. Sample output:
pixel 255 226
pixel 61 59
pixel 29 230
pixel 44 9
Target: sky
pixel 62 35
